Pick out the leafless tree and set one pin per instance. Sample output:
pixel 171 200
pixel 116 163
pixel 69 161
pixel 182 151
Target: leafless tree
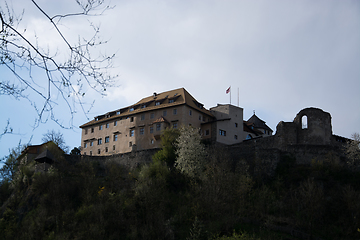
pixel 57 138
pixel 69 72
pixel 352 151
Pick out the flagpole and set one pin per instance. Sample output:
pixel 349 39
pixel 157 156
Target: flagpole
pixel 238 98
pixel 230 94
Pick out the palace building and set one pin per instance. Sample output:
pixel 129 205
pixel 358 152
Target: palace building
pixel 139 126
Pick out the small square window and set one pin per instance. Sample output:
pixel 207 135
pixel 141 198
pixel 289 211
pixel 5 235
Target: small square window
pixel 235 137
pixel 157 103
pixel 171 100
pixel 175 125
pixel 207 132
pixel 107 139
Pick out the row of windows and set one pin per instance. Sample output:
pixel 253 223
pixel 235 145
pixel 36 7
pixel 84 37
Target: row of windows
pixel 131 134
pixel 152 141
pixel 142 117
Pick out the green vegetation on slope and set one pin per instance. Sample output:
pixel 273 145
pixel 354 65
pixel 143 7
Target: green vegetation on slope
pixel 87 199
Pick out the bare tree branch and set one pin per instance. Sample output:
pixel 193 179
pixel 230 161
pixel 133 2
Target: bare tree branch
pixel 70 78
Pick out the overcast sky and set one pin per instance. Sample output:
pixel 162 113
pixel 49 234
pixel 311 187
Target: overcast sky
pixel 283 56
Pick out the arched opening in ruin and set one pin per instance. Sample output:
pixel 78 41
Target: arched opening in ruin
pixel 304 122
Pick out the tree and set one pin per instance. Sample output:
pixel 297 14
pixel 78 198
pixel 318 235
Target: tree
pixel 11 162
pixel 191 153
pixel 57 138
pixel 168 150
pixel 352 150
pixel 70 71
pixel 75 151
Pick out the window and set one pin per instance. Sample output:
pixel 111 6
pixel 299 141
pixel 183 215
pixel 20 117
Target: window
pixel 90 153
pixel 86 131
pixel 175 111
pixel 107 125
pixel 99 141
pixel 248 137
pixel 222 132
pixel 200 117
pixel 190 112
pixel 92 130
pixel 235 137
pixel 106 149
pixel 131 109
pixel 152 115
pixel 91 143
pixel 113 147
pixel 85 145
pixel 236 125
pixel 164 113
pixel 207 132
pixel 107 139
pixel 99 151
pixel 115 137
pixel 151 129
pixel 130 144
pixel 158 126
pixel 115 123
pixel 171 100
pixel 100 127
pixel 157 103
pixel 304 122
pixel 132 132
pixel 142 117
pixel 143 106
pixel 142 131
pixel 175 125
pixel 85 153
pixel 131 119
pixel 118 113
pixel 152 141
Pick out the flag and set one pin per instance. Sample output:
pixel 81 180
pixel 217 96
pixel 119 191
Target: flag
pixel 228 90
